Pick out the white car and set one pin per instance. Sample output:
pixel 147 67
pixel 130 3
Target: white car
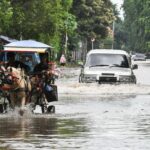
pixel 108 66
pixel 139 57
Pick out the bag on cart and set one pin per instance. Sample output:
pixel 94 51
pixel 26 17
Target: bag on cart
pixel 50 92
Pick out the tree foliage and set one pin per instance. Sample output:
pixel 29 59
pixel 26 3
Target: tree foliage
pixel 49 21
pixel 43 20
pixel 93 17
pixel 6 13
pixel 137 21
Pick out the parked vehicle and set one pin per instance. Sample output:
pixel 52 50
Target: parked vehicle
pixel 139 57
pixel 107 66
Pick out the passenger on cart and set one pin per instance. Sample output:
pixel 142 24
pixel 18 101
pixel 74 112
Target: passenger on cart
pixel 16 64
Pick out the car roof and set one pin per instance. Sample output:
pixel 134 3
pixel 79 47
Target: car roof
pixel 139 54
pixel 108 51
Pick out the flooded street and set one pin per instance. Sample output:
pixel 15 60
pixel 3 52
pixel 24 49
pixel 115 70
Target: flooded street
pixel 88 117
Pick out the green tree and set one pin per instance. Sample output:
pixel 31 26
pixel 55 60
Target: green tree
pixel 6 13
pixel 59 23
pixel 137 24
pixel 93 18
pixel 120 35
pixel 43 20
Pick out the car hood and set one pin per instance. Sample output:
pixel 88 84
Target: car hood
pixel 108 70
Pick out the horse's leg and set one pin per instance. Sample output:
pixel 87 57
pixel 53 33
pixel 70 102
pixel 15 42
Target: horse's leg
pixel 22 101
pixel 12 99
pixel 22 106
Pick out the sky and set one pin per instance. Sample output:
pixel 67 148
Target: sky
pixel 119 3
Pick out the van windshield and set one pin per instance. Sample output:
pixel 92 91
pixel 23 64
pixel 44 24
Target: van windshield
pixel 116 60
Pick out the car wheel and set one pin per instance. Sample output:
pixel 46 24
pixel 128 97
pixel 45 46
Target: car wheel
pixel 80 79
pixel 134 81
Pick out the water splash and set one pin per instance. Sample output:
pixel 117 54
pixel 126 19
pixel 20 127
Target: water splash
pixel 96 89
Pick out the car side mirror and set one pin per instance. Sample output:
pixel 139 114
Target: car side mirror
pixel 81 64
pixel 135 66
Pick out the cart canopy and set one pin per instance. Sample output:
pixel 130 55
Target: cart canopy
pixel 27 46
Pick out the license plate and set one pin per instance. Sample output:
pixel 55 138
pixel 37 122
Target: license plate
pixel 107 79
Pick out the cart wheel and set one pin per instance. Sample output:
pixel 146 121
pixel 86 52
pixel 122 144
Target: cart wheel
pixel 1 108
pixel 51 109
pixel 44 108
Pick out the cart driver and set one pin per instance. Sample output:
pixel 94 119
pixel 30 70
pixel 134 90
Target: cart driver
pixel 48 89
pixel 42 66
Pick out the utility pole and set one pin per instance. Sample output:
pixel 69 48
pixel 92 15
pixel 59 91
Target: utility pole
pixel 66 34
pixel 113 37
pixel 66 42
pixel 92 40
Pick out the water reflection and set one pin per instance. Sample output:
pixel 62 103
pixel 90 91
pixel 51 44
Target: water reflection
pixel 43 126
pixel 24 128
pixel 39 132
pixel 13 128
pixel 109 122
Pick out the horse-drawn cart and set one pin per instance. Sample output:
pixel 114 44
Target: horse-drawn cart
pixel 19 88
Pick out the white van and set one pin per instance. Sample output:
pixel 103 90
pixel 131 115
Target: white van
pixel 108 66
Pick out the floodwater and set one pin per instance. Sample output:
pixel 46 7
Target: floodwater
pixel 88 117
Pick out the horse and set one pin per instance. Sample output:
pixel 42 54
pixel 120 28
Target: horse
pixel 18 89
pixel 38 89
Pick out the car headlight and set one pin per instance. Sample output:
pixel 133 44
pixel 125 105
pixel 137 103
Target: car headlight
pixel 127 78
pixel 90 77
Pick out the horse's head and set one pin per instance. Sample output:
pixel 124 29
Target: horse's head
pixel 16 75
pixel 8 77
pixel 14 72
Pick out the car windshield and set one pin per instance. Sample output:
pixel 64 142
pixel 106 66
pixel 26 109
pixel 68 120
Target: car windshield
pixel 114 60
